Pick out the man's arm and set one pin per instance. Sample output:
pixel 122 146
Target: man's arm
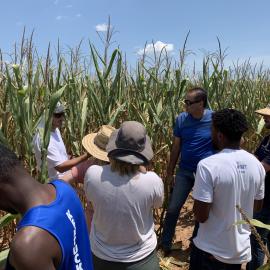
pixel 175 151
pixel 201 210
pixel 33 248
pixel 258 204
pixel 266 166
pixel 68 164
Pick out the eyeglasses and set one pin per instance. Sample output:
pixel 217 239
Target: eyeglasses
pixel 58 115
pixel 189 103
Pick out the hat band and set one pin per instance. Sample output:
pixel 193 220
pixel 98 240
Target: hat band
pixel 101 142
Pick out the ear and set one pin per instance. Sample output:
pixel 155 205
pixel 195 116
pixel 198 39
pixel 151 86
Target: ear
pixel 201 103
pixel 220 136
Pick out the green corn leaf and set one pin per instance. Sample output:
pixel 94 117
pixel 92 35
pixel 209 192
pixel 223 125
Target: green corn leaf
pixel 254 222
pixel 6 219
pixel 115 114
pixel 98 105
pixel 3 257
pixel 264 267
pixel 101 80
pixel 260 126
pixel 83 115
pixel 111 63
pixel 3 139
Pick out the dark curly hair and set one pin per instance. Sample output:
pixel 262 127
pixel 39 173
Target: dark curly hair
pixel 8 161
pixel 231 123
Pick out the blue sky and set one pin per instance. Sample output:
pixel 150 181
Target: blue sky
pixel 242 26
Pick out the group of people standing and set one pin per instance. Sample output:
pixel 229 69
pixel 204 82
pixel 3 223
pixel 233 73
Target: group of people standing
pixel 122 192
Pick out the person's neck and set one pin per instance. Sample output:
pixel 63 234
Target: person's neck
pixel 31 194
pixel 199 114
pixel 234 146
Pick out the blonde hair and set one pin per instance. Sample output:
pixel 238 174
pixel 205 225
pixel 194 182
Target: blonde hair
pixel 123 168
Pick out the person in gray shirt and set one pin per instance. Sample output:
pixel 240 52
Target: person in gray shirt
pixel 122 234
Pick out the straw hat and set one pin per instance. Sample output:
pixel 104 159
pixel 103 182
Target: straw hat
pixel 95 143
pixel 130 144
pixel 265 111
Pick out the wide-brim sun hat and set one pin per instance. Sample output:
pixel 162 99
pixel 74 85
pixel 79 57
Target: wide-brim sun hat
pixel 130 144
pixel 95 143
pixel 264 111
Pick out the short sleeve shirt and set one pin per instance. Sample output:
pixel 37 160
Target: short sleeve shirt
pixel 56 155
pixel 196 141
pixel 122 229
pixel 229 178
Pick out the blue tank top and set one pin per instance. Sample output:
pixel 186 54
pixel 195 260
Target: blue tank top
pixel 64 219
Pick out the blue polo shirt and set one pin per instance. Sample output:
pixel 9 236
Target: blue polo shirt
pixel 195 136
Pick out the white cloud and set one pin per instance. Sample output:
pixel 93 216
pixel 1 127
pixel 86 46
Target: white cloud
pixel 158 47
pixel 59 17
pixel 78 15
pixel 102 27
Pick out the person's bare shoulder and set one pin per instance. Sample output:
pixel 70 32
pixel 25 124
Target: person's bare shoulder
pixel 34 248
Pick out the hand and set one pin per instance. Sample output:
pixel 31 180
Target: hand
pixel 170 180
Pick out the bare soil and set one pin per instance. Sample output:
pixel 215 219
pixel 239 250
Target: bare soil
pixel 179 258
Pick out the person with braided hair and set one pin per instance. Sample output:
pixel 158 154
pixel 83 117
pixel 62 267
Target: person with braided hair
pixel 229 178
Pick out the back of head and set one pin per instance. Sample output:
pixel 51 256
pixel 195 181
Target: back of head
pixel 231 123
pixel 130 144
pixel 201 94
pixel 8 162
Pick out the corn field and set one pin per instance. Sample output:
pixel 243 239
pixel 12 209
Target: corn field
pixel 102 89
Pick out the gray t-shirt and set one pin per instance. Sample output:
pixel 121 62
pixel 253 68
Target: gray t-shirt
pixel 122 227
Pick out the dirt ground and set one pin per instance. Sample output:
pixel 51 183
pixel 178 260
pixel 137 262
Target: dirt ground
pixel 179 258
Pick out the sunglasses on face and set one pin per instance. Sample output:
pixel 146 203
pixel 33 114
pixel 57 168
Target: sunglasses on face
pixel 58 115
pixel 189 102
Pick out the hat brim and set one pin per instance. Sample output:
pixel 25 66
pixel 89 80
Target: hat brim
pixel 265 111
pixel 89 145
pixel 129 155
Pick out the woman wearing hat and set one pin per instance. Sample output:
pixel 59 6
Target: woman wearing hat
pixel 95 144
pixel 122 232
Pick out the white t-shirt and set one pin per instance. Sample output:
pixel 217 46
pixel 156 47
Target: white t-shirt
pixel 122 227
pixel 57 153
pixel 229 178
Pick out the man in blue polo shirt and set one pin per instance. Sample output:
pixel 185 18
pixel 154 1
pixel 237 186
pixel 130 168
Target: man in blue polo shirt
pixel 192 142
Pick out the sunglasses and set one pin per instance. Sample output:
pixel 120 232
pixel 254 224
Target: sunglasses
pixel 58 115
pixel 189 103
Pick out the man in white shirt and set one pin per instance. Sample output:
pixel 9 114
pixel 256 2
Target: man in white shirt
pixel 229 178
pixel 57 158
